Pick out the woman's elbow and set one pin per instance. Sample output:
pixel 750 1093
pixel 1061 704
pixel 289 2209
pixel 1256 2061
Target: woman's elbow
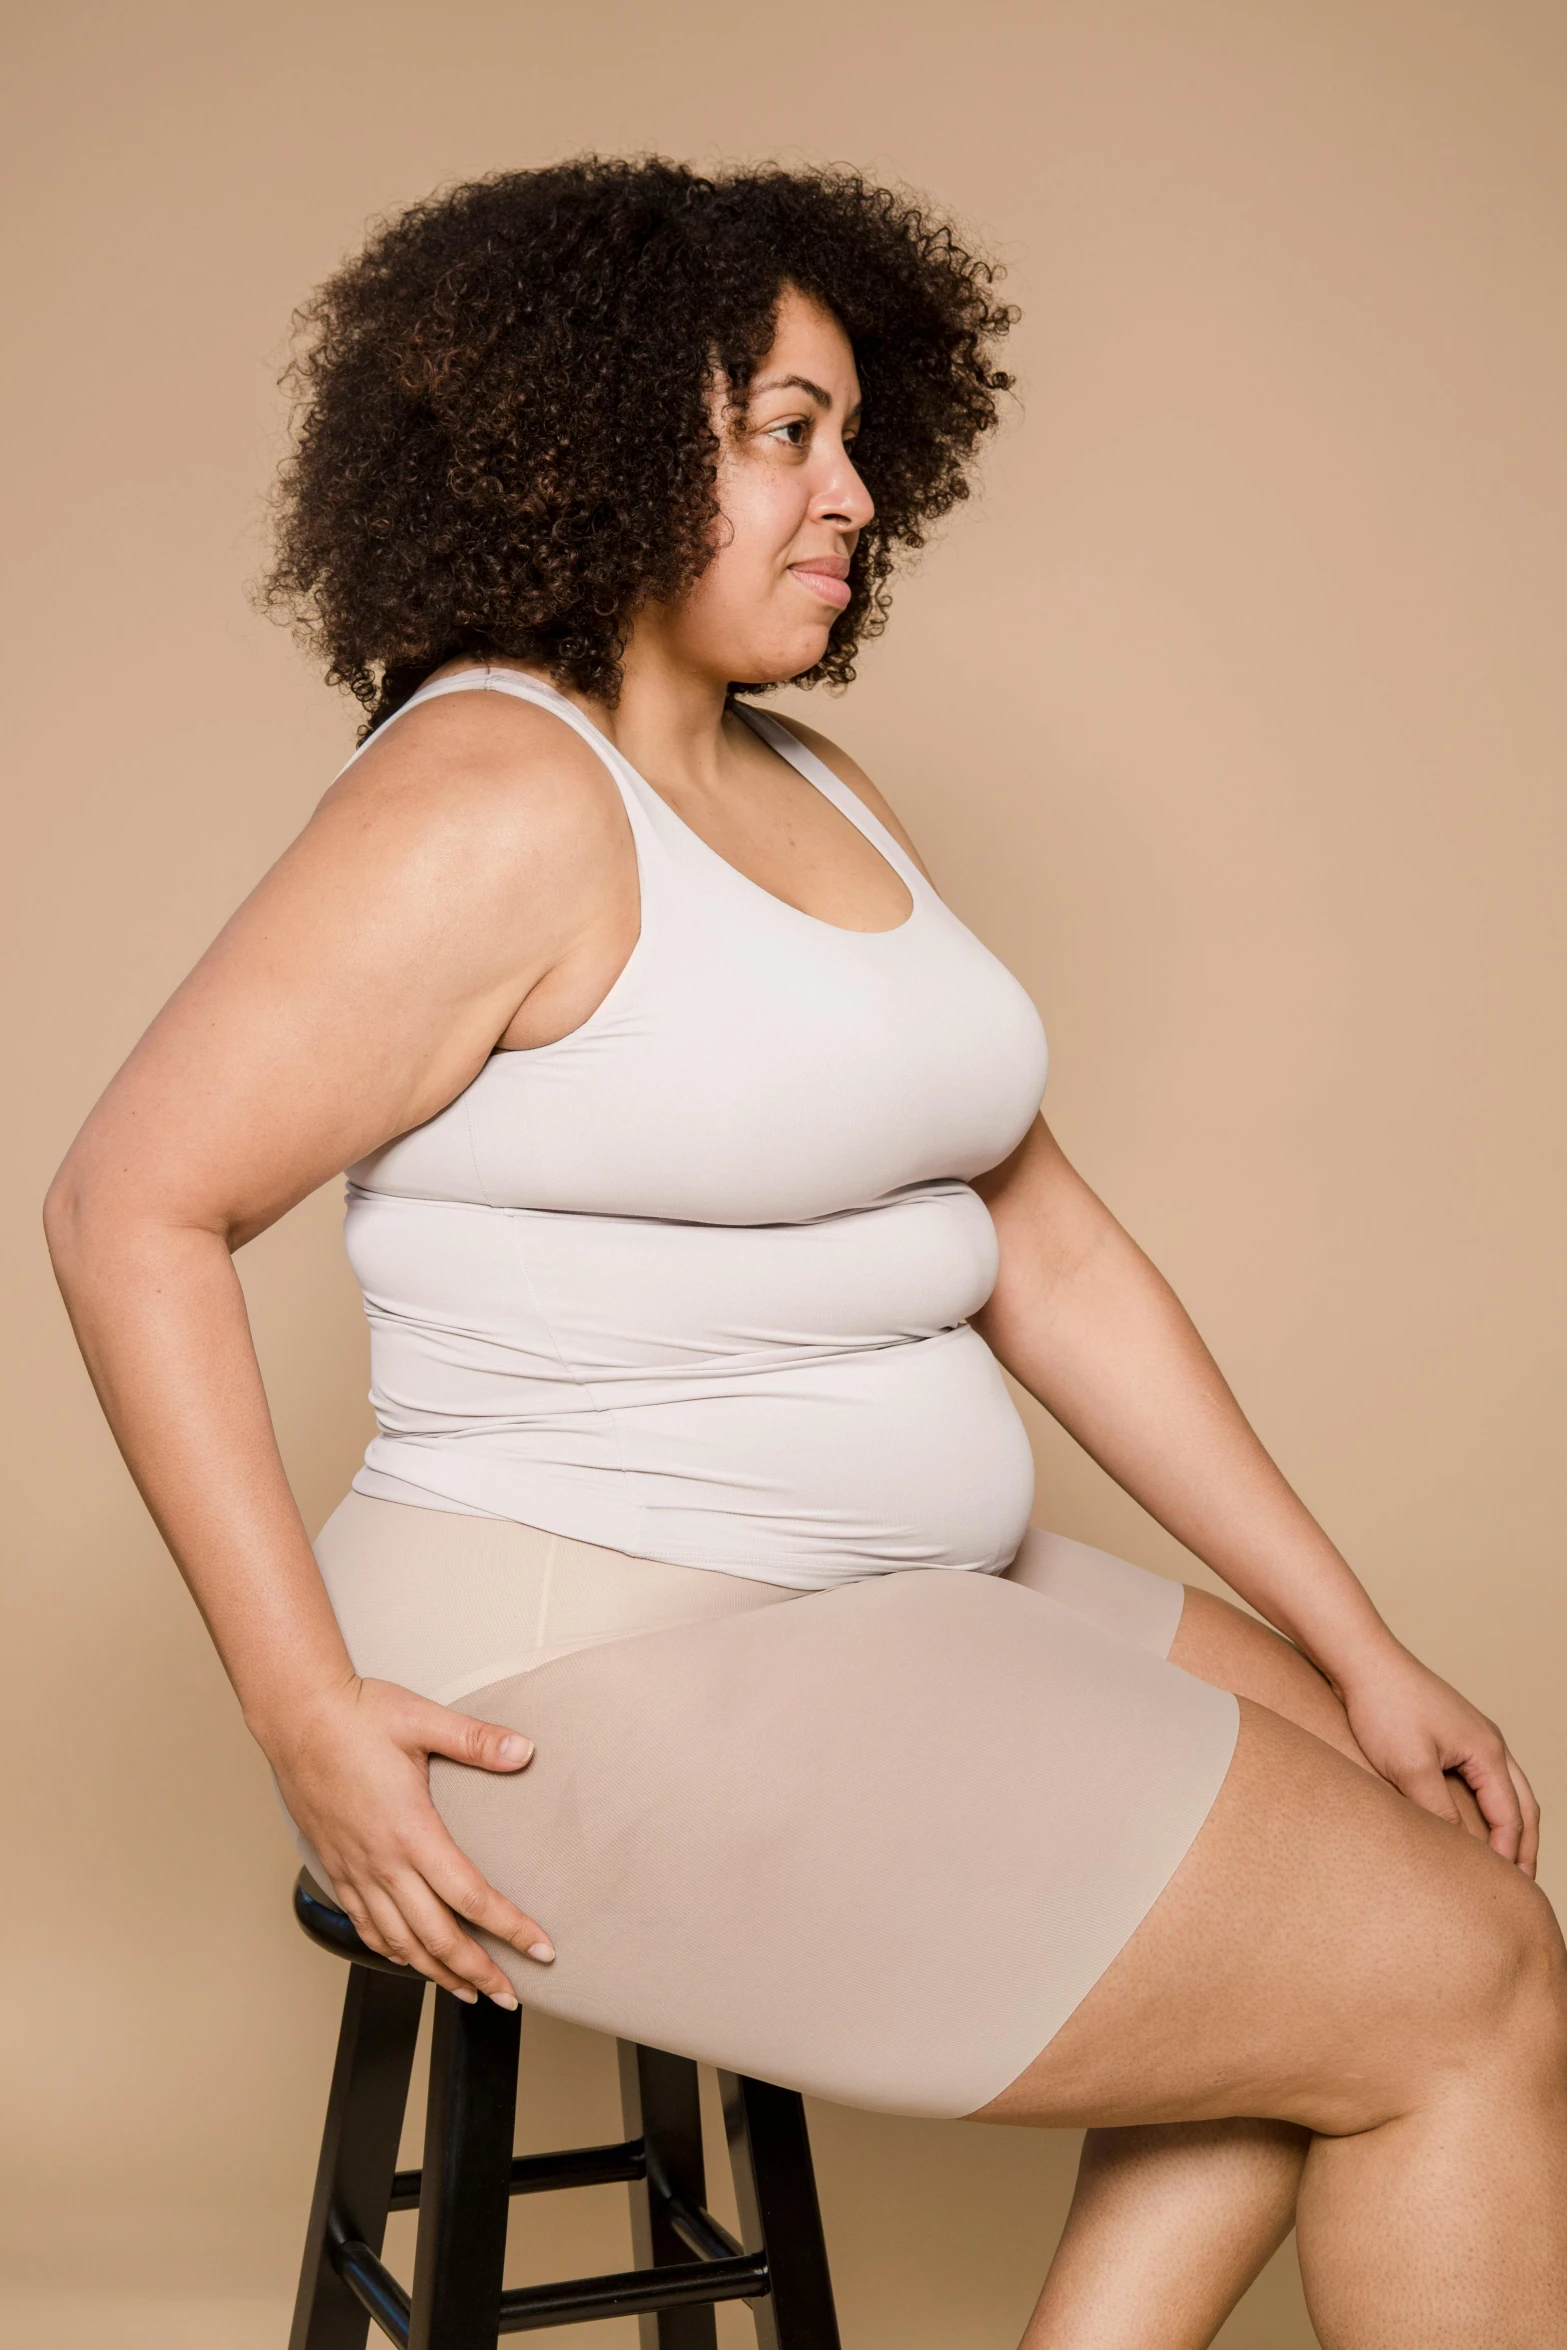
pixel 90 1218
pixel 69 1221
pixel 105 1224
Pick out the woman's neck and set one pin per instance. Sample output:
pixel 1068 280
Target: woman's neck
pixel 669 718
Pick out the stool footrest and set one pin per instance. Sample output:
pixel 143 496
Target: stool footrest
pixel 634 2292
pixel 695 2225
pixel 375 2288
pixel 542 2174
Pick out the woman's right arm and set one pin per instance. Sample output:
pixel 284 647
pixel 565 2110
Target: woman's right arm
pixel 456 869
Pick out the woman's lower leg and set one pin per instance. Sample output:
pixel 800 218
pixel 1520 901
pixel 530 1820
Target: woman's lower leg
pixel 1332 1957
pixel 1447 2226
pixel 1168 2226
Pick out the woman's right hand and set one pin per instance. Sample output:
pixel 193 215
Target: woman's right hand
pixel 354 1773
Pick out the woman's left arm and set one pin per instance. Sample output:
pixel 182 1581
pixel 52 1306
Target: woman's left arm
pixel 1082 1320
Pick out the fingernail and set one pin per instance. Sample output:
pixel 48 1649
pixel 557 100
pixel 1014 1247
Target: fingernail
pixel 506 1999
pixel 516 1750
pixel 542 1951
pixel 469 1998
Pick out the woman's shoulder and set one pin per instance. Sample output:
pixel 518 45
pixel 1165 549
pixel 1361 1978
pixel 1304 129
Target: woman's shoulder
pixel 475 805
pixel 481 762
pixel 497 797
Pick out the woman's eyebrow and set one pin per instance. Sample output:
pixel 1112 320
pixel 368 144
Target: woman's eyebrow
pixel 797 383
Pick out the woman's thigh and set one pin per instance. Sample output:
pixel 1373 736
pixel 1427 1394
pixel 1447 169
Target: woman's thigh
pixel 877 1843
pixel 1323 1947
pixel 1232 1650
pixel 1224 1645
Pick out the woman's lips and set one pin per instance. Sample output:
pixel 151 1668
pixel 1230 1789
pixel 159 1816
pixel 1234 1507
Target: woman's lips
pixel 824 584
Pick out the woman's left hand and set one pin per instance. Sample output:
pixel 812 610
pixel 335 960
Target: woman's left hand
pixel 1412 1726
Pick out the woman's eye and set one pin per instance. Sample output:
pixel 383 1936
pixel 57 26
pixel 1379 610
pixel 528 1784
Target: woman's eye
pixel 795 431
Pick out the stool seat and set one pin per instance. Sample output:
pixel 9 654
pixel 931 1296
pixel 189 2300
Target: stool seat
pixel 687 2262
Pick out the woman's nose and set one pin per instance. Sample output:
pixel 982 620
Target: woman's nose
pixel 844 498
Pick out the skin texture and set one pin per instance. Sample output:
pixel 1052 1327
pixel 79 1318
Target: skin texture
pixel 1339 1992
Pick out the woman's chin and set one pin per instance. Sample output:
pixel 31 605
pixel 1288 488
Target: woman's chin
pixel 775 663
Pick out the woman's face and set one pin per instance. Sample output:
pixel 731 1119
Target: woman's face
pixel 791 509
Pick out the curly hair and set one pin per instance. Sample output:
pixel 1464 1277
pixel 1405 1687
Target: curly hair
pixel 503 438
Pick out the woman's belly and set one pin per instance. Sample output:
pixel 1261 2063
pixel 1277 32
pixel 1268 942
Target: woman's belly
pixel 803 1403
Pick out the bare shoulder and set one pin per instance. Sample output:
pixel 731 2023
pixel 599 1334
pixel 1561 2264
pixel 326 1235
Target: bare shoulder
pixel 850 773
pixel 478 803
pixel 460 861
pixel 486 774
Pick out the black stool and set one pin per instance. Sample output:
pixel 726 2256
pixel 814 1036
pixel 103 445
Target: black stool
pixel 469 2173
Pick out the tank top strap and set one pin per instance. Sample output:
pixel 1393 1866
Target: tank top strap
pixel 788 745
pixel 544 697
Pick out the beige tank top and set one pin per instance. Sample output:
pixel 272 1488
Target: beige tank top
pixel 694 1282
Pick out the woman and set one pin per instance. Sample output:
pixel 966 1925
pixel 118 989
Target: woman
pixel 697 1189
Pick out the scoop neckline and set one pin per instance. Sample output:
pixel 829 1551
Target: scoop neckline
pixel 839 929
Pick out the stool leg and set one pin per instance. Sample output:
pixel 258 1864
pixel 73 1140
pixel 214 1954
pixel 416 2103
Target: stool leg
pixel 465 2193
pixel 364 2119
pixel 775 2188
pixel 660 2102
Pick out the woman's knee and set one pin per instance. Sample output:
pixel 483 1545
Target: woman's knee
pixel 1327 1954
pixel 1411 1951
pixel 1502 1969
pixel 1526 1981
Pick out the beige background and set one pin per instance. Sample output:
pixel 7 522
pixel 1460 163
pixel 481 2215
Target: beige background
pixel 1233 717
